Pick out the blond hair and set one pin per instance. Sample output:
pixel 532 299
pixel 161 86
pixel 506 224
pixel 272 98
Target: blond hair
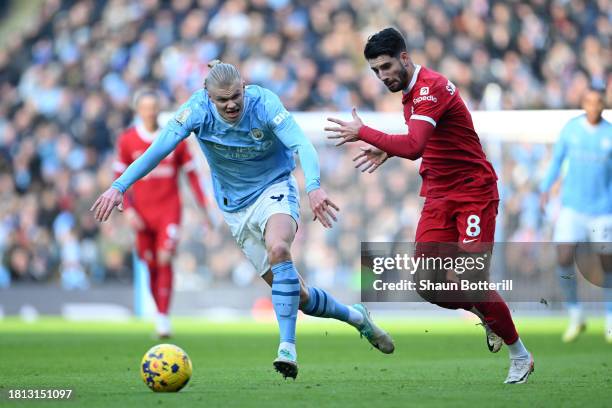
pixel 221 74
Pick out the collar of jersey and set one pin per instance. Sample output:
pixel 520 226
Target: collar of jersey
pixel 590 128
pixel 417 69
pixel 144 134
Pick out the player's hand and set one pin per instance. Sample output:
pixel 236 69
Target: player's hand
pixel 104 205
pixel 347 131
pixel 322 207
pixel 134 219
pixel 370 159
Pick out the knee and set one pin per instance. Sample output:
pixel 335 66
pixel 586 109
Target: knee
pixel 304 296
pixel 163 257
pixel 278 252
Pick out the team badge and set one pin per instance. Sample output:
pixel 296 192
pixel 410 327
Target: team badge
pixel 257 134
pixel 183 115
pixel 424 90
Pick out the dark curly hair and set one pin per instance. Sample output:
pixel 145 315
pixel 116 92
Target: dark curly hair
pixel 385 42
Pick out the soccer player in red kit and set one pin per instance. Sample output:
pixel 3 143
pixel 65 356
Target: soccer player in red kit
pixel 459 183
pixel 153 206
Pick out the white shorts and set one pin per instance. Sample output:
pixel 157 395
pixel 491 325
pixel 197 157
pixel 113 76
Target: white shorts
pixel 249 224
pixel 573 226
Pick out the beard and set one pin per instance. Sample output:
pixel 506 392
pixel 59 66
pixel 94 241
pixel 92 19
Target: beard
pixel 401 83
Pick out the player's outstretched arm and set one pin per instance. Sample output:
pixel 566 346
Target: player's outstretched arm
pixel 410 146
pixel 113 197
pixel 291 135
pixel 294 138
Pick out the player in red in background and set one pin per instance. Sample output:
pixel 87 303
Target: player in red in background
pixel 459 184
pixel 153 205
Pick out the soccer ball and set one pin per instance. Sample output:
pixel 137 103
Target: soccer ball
pixel 166 368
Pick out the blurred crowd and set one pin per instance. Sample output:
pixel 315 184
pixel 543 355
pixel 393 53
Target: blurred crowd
pixel 68 77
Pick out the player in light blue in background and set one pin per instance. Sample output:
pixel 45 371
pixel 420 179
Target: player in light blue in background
pixel 249 140
pixel 586 199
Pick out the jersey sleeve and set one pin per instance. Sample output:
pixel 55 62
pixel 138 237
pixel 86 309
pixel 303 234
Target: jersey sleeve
pixel 188 118
pixel 284 126
pixel 123 159
pixel 430 102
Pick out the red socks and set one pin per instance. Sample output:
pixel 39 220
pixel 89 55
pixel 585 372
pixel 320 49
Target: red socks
pixel 161 286
pixel 497 316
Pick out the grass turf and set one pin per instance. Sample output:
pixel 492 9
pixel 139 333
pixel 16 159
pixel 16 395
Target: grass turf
pixel 436 363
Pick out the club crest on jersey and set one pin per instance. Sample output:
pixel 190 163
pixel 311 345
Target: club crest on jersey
pixel 257 134
pixel 424 91
pixel 183 115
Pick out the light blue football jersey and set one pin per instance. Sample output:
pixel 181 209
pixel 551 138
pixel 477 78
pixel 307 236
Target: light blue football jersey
pixel 245 157
pixel 587 184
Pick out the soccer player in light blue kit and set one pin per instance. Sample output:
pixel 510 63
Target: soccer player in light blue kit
pixel 249 140
pixel 586 199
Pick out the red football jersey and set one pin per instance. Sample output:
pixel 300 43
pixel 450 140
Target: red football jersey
pixel 157 193
pixel 453 162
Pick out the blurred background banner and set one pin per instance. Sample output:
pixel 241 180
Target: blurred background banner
pixel 68 71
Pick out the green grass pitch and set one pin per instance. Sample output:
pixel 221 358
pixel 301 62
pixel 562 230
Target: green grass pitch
pixel 436 363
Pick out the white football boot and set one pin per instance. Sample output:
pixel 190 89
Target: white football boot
pixel 162 326
pixel 575 327
pixel 286 362
pixel 375 335
pixel 520 369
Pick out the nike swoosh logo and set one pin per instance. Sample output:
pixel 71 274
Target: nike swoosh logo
pixel 465 241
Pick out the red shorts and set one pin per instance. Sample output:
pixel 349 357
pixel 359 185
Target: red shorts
pixel 470 225
pixel 164 235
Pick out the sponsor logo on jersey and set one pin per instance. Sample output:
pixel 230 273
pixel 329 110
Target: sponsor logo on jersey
pixel 429 98
pixel 278 119
pixel 450 87
pixel 183 115
pixel 257 134
pixel 424 91
pixel 242 152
